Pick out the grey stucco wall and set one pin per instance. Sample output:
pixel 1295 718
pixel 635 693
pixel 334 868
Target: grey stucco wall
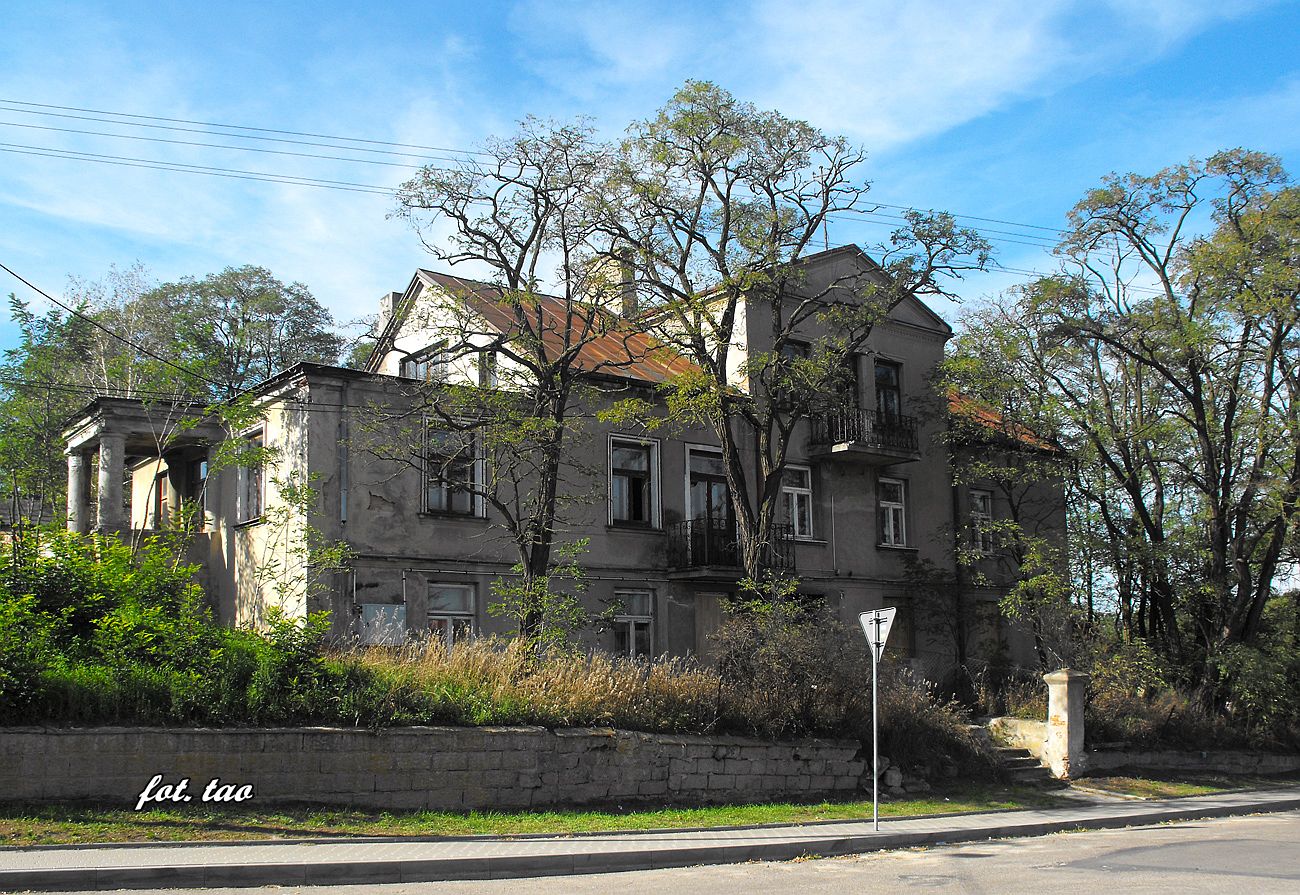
pixel 437 768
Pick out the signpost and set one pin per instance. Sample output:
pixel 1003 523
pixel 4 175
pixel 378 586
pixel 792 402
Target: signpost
pixel 876 625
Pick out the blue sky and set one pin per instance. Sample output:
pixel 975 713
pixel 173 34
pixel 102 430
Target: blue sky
pixel 1004 110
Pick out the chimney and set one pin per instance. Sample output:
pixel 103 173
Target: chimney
pixel 627 285
pixel 387 304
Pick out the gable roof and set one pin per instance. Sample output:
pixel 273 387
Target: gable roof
pixel 997 425
pixel 621 350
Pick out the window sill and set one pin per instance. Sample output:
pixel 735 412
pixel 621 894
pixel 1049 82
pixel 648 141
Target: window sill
pixel 249 523
pixel 903 548
pixel 441 514
pixel 634 528
pixel 811 542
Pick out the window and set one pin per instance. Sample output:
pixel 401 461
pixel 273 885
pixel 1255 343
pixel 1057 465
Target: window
pixel 429 365
pixel 250 498
pixel 889 396
pixel 981 521
pixel 892 497
pixel 633 489
pixel 160 511
pixel 634 623
pixel 451 473
pixel 796 501
pixel 451 613
pixel 382 624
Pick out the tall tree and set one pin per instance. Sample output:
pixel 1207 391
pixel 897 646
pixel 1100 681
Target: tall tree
pixel 715 203
pixel 1167 361
pixel 522 210
pixel 242 325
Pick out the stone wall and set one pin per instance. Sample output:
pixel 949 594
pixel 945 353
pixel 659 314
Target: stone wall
pixel 439 768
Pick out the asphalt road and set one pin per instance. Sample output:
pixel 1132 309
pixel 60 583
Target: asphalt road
pixel 1255 854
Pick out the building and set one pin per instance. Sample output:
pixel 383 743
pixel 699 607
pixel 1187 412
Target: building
pixel 868 495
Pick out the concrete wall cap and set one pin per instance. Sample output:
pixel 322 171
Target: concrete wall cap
pixel 1065 675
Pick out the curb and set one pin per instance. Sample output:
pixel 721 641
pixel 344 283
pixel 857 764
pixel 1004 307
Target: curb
pixel 522 866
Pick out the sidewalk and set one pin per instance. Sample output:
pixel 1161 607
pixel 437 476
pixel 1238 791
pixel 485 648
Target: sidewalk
pixel 373 861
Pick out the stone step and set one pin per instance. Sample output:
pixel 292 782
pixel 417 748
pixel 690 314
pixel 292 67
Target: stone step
pixel 1027 761
pixel 1012 751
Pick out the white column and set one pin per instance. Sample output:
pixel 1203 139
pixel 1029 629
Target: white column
pixel 1063 749
pixel 78 486
pixel 112 459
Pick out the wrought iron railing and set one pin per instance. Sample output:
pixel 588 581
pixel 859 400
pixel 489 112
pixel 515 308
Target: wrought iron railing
pixel 696 543
pixel 865 427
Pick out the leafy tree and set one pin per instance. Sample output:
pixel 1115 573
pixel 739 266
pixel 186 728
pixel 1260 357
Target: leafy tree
pixel 35 400
pixel 715 203
pixel 1167 363
pixel 239 327
pixel 523 210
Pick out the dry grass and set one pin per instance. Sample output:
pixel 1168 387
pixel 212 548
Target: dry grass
pixel 502 681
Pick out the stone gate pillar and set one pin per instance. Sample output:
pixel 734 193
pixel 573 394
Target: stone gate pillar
pixel 1063 749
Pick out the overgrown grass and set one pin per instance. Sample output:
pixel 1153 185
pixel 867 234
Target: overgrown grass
pixel 1171 785
pixel 52 824
pixel 115 636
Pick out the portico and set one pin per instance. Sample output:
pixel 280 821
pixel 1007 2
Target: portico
pixel 114 434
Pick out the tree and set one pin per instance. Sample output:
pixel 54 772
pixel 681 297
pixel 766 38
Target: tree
pixel 715 204
pixel 1166 363
pixel 35 401
pixel 239 327
pixel 522 210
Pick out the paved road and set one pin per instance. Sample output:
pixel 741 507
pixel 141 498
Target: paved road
pixel 1255 854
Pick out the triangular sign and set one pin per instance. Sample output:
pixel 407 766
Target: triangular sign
pixel 876 625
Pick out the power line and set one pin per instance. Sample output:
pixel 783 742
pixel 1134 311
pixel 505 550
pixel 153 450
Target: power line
pixel 234 174
pixel 457 152
pixel 95 323
pixel 337 158
pixel 242 127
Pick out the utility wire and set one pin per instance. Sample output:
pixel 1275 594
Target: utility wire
pixel 336 158
pixel 242 127
pixel 232 174
pixel 95 323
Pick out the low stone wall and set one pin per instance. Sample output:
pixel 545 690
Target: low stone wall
pixel 438 768
pixel 1100 761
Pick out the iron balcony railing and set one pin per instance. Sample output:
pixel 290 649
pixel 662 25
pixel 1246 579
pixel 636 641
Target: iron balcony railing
pixel 696 543
pixel 869 428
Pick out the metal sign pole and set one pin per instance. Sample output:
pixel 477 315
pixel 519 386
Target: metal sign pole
pixel 876 625
pixel 875 750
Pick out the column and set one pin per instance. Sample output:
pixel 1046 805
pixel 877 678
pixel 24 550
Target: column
pixel 112 459
pixel 1063 750
pixel 78 488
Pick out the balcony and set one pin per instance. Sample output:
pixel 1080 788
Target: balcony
pixel 707 548
pixel 867 436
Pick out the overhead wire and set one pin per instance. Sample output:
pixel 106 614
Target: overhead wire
pixel 208 124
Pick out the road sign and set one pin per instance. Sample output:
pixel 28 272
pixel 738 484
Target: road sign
pixel 876 625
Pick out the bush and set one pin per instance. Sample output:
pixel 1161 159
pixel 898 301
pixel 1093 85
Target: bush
pixel 788 671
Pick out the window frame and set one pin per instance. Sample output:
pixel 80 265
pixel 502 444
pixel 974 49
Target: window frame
pixel 430 364
pixel 789 493
pixel 981 521
pixel 469 616
pixel 474 490
pixel 883 507
pixel 654 502
pixel 896 389
pixel 255 440
pixel 626 622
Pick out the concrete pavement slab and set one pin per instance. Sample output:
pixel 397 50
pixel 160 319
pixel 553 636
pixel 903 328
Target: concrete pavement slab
pixel 374 861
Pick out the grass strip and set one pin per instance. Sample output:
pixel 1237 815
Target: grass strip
pixel 71 823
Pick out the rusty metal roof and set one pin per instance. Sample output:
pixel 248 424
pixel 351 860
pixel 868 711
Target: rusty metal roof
pixel 604 342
